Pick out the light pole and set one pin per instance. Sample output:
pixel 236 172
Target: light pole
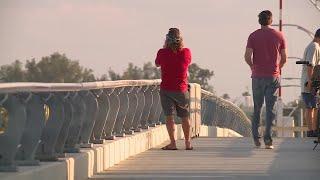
pixel 293 57
pixel 316 3
pixel 297 26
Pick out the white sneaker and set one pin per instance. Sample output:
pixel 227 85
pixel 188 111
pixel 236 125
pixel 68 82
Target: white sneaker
pixel 269 147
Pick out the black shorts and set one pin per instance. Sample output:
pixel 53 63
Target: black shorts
pixel 175 102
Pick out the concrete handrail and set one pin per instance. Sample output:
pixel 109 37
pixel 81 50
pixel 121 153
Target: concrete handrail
pixel 56 87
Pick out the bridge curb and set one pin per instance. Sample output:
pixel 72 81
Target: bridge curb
pixel 90 161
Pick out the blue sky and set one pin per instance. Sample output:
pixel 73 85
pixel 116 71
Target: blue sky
pixel 112 33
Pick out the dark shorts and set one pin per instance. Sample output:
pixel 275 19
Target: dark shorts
pixel 309 100
pixel 175 102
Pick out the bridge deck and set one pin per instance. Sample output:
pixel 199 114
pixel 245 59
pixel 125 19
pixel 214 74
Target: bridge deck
pixel 223 158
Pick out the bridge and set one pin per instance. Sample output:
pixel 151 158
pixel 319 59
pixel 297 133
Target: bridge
pixel 115 129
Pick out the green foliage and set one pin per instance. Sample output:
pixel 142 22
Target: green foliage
pixel 200 76
pixel 133 72
pixel 60 69
pixel 148 71
pixel 12 73
pixel 226 96
pixel 3 120
pixel 113 76
pixel 246 93
pixel 54 68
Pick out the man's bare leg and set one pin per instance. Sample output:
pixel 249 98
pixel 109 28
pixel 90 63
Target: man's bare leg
pixel 171 128
pixel 186 132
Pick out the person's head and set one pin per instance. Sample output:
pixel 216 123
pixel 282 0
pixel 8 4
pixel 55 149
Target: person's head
pixel 174 40
pixel 317 36
pixel 265 18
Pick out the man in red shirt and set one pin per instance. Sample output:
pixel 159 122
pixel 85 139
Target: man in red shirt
pixel 174 60
pixel 266 55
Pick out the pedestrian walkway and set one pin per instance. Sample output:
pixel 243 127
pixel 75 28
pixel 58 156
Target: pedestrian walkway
pixel 223 158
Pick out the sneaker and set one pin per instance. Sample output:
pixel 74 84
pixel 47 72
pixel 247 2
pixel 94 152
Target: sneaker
pixel 269 147
pixel 257 143
pixel 311 134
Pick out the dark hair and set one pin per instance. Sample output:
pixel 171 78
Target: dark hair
pixel 265 18
pixel 317 33
pixel 174 40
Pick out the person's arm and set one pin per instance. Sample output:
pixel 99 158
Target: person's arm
pixel 311 58
pixel 157 61
pixel 283 59
pixel 188 56
pixel 283 51
pixel 248 56
pixel 309 76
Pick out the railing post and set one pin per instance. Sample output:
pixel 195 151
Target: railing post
pixel 158 106
pixel 133 104
pixel 148 104
pixel 113 113
pixel 89 119
pixel 72 143
pixel 68 117
pixel 123 110
pixel 11 137
pixel 49 137
pixel 155 101
pixel 139 111
pixel 34 125
pixel 102 115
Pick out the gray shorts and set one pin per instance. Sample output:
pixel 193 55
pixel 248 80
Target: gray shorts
pixel 175 102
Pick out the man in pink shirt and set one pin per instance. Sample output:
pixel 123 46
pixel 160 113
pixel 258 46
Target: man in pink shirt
pixel 265 54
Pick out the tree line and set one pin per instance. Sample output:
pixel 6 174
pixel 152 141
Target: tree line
pixel 58 68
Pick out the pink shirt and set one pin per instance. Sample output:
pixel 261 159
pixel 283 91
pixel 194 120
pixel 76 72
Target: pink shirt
pixel 174 68
pixel 267 45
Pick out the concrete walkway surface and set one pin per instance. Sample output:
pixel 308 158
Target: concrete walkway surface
pixel 223 158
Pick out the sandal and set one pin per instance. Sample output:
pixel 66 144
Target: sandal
pixel 167 147
pixel 189 148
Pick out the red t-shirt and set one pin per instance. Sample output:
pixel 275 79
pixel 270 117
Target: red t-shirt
pixel 267 45
pixel 174 68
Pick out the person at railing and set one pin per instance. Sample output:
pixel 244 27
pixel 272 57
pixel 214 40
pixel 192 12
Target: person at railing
pixel 265 54
pixel 312 56
pixel 174 59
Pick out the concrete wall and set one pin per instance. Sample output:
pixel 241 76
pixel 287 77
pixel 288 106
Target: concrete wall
pixel 213 131
pixel 80 166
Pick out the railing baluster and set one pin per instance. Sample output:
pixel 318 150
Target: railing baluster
pixel 49 137
pixel 152 121
pixel 89 119
pixel 140 108
pixel 12 135
pixel 68 117
pixel 72 143
pixel 148 104
pixel 133 105
pixel 113 113
pixel 102 115
pixel 158 106
pixel 123 110
pixel 33 129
